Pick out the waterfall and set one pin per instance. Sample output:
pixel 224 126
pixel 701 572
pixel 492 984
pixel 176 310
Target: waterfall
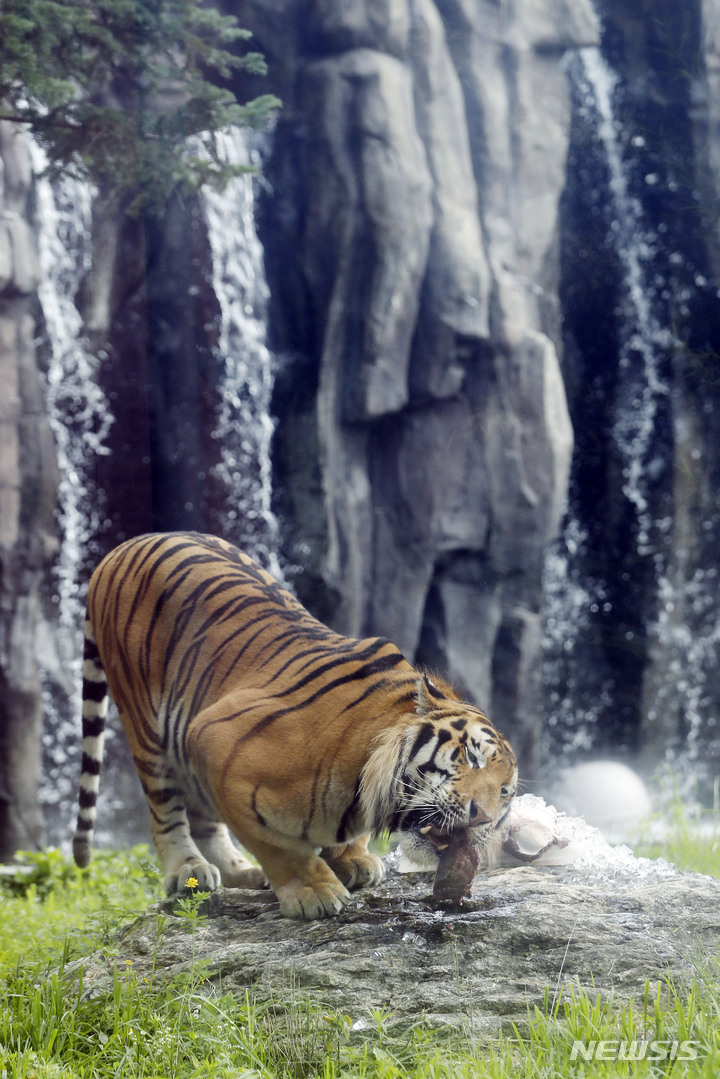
pixel 686 649
pixel 567 607
pixel 80 420
pixel 580 614
pixel 644 340
pixel 79 414
pixel 244 428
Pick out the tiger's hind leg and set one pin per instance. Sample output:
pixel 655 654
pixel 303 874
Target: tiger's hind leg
pixel 353 864
pixel 215 843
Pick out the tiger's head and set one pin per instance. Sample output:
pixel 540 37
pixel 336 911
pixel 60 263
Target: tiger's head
pixel 448 769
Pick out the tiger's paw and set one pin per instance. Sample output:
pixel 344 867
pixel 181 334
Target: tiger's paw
pixel 194 875
pixel 322 900
pixel 356 869
pixel 247 876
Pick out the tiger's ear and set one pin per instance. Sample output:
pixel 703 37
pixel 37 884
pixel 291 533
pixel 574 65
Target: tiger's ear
pixel 427 695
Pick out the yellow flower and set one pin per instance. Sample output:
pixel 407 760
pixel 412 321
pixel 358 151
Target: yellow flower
pixel 129 962
pixel 191 882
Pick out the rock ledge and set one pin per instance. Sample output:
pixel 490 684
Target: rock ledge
pixel 481 968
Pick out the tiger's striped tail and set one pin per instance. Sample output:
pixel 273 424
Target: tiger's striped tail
pixel 94 713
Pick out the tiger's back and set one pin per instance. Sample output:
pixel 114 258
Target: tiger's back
pixel 241 709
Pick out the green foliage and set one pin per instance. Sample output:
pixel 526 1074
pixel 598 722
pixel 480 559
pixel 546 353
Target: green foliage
pixel 114 88
pixel 56 906
pixel 188 907
pixel 688 839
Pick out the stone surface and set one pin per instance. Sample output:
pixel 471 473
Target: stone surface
pixel 525 929
pixel 415 211
pixel 28 483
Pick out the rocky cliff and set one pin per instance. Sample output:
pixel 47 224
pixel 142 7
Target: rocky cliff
pixel 28 492
pixel 490 241
pixel 411 244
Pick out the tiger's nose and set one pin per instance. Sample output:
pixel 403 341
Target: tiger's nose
pixel 476 815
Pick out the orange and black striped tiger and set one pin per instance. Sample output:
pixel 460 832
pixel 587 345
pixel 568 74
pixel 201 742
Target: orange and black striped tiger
pixel 248 718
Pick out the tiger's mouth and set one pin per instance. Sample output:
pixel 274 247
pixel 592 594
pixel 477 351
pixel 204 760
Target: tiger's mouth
pixel 441 831
pixel 438 833
pixel 441 839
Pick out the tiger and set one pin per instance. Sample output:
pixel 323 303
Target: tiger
pixel 253 725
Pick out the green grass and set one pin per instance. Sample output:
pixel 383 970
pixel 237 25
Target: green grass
pixel 56 908
pixel 692 840
pixel 183 1030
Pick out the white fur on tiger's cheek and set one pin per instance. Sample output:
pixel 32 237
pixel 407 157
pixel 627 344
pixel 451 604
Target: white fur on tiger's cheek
pixel 480 746
pixel 473 758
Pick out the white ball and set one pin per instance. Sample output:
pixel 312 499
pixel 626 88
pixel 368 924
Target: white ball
pixel 609 795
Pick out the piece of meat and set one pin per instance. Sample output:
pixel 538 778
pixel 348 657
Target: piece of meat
pixel 457 868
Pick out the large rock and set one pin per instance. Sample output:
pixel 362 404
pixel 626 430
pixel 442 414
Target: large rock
pixel 482 968
pixel 28 484
pixel 411 238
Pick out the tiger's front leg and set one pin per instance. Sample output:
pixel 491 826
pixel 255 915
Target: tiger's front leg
pixel 215 844
pixel 263 808
pixel 179 856
pixel 305 885
pixel 354 864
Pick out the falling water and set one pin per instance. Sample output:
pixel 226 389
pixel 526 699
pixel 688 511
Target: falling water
pixel 79 414
pixel 244 428
pixel 645 341
pixel 573 602
pixel 80 420
pixel 686 649
pixel 568 605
